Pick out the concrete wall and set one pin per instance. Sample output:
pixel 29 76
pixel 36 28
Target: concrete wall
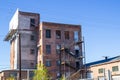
pixel 16 53
pixel 12 54
pixel 14 21
pixel 21 21
pixel 24 20
pixel 28 60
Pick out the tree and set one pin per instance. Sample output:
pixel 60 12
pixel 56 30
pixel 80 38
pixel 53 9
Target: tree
pixel 10 78
pixel 63 78
pixel 41 73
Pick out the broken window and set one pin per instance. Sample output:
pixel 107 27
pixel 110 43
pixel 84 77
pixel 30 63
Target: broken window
pixel 32 22
pixel 58 34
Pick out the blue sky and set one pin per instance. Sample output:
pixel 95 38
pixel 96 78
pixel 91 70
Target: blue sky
pixel 99 20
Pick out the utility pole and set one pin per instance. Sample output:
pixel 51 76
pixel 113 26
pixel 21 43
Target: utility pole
pixel 19 46
pixel 19 36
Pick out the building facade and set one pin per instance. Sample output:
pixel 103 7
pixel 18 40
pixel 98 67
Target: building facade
pixel 52 38
pixel 53 44
pixel 108 69
pixel 25 25
pixel 7 74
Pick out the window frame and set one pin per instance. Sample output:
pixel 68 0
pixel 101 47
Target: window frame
pixel 48 33
pixel 48 49
pixel 58 62
pixel 58 34
pixel 32 22
pixel 101 70
pixel 76 36
pixel 32 37
pixel 77 53
pixel 67 35
pixel 58 50
pixel 32 51
pixel 48 63
pixel 115 68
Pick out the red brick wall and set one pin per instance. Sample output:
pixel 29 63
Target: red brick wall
pixel 53 42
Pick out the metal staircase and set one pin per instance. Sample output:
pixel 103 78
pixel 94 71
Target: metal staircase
pixel 77 73
pixel 75 76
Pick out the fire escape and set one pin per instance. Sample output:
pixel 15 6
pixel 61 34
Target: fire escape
pixel 72 63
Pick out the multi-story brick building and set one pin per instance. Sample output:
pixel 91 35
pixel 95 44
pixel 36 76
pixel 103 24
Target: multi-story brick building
pixel 53 37
pixel 43 44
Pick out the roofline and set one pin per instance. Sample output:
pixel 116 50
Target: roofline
pixel 104 63
pixel 26 13
pixel 55 23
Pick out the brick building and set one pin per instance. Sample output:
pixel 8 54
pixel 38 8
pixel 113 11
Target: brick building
pixel 26 74
pixel 48 43
pixel 53 37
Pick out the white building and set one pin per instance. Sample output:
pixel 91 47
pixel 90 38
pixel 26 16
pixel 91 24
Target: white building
pixel 107 69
